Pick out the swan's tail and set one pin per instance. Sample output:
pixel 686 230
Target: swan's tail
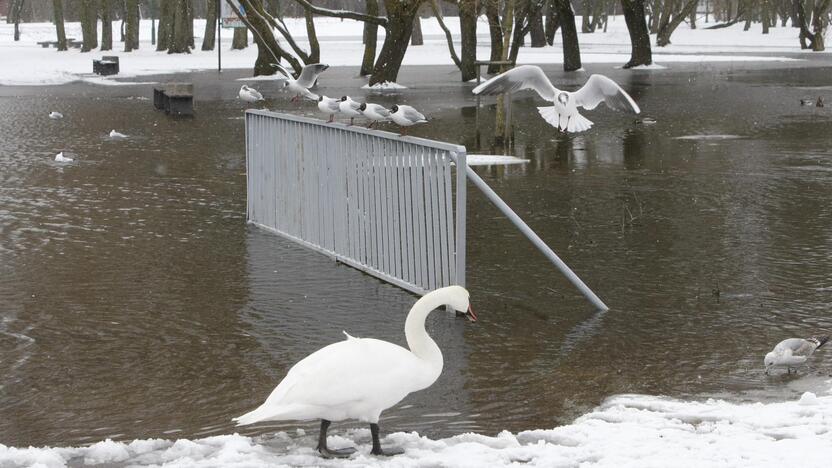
pixel 267 413
pixel 573 123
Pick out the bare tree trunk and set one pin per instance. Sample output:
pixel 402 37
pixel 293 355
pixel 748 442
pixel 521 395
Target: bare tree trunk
pixel 58 10
pixel 400 14
pixel 639 35
pixel 165 27
pixel 16 7
pixel 210 37
pixel 536 31
pixel 370 40
pixel 240 40
pixel 106 25
pixel 667 27
pixel 468 31
pixel 312 35
pixel 492 12
pixel 569 35
pixel 552 22
pixel 765 12
pixel 131 22
pixel 416 38
pixel 518 39
pixel 89 25
pixel 180 42
pixel 189 24
pixel 586 26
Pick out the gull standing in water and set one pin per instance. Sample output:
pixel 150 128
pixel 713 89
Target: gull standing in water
pixel 406 116
pixel 358 378
pixel 563 114
pixel 328 105
pixel 374 112
pixel 793 352
pixel 308 77
pixel 250 94
pixel 350 108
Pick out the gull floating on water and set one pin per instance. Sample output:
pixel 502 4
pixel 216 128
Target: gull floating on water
pixel 374 112
pixel 308 76
pixel 564 113
pixel 61 158
pixel 406 116
pixel 115 134
pixel 328 105
pixel 358 378
pixel 793 352
pixel 55 115
pixel 350 108
pixel 250 94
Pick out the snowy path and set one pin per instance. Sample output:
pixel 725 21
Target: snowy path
pixel 341 46
pixel 627 430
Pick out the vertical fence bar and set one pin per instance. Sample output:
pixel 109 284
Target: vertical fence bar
pixel 461 160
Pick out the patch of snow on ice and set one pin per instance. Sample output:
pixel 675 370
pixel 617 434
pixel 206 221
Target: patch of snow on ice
pixel 384 86
pixel 626 430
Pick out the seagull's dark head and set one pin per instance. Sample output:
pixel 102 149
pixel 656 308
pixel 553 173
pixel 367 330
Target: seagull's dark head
pixel 563 98
pixel 321 98
pixel 394 109
pixel 344 98
pixel 363 106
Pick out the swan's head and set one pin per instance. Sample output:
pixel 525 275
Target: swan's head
pixel 769 361
pixel 458 298
pixel 563 98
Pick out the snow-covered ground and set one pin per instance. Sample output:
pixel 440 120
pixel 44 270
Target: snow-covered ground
pixel 627 430
pixel 26 63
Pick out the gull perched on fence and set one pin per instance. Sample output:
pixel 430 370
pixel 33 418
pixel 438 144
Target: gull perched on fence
pixel 250 94
pixel 563 114
pixel 308 77
pixel 793 352
pixel 350 108
pixel 374 112
pixel 406 116
pixel 328 105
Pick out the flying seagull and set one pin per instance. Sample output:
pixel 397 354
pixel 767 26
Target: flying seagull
pixel 793 352
pixel 406 116
pixel 329 106
pixel 374 112
pixel 563 114
pixel 250 94
pixel 308 76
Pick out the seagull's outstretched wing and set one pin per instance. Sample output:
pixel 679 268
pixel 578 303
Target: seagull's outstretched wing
pixel 284 71
pixel 310 74
pixel 519 78
pixel 599 88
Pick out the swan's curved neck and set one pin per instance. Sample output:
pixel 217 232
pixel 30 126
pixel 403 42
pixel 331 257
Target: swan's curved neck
pixel 418 340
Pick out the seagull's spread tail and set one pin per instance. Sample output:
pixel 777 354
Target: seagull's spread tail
pixel 573 123
pixel 819 340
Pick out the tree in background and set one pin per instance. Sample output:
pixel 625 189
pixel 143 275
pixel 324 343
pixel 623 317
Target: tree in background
pixel 16 8
pixel 640 53
pixel 58 10
pixel 165 25
pixel 106 25
pixel 370 39
pixel 131 15
pixel 240 39
pixel 673 13
pixel 89 25
pixel 180 36
pixel 209 37
pixel 819 21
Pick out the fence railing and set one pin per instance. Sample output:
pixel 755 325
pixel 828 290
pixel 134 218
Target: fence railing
pixel 379 202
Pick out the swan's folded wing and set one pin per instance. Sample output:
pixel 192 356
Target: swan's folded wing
pixel 256 94
pixel 598 89
pixel 310 74
pixel 517 79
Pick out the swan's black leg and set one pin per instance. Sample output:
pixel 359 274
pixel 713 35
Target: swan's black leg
pixel 377 450
pixel 328 452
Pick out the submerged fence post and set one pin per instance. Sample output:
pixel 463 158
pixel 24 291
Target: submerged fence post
pixel 535 239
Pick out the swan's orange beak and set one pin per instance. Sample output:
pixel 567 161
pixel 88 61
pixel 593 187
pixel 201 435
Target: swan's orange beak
pixel 470 315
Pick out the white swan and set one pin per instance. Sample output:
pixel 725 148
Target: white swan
pixel 358 378
pixel 563 113
pixel 248 94
pixel 61 158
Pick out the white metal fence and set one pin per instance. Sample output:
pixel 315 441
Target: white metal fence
pixel 382 203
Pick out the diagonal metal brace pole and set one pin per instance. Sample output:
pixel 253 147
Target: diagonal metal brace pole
pixel 535 239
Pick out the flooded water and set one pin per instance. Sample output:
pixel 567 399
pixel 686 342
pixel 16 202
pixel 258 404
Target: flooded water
pixel 135 302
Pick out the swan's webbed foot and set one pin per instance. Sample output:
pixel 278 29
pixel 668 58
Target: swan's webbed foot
pixel 336 453
pixel 377 450
pixel 327 452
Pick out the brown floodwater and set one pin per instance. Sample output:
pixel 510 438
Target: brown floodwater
pixel 135 302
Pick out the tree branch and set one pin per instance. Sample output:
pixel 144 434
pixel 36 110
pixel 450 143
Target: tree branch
pixel 438 14
pixel 378 20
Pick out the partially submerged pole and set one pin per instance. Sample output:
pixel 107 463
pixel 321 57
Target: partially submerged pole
pixel 536 240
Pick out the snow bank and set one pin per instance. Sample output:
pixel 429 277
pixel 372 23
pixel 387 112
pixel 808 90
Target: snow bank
pixel 386 86
pixel 29 64
pixel 627 430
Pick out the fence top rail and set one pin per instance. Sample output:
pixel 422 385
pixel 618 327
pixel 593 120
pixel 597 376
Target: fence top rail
pixel 440 145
